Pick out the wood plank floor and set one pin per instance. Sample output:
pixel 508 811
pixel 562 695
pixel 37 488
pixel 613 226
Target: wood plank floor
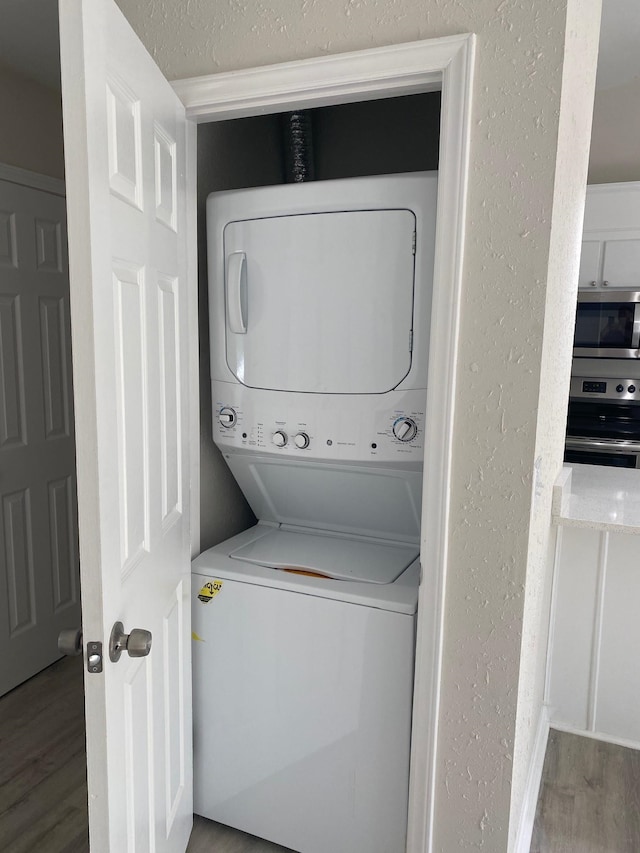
pixel 43 787
pixel 589 799
pixel 43 782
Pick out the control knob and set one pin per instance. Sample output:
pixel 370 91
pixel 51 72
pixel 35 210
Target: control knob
pixel 405 429
pixel 301 440
pixel 279 438
pixel 227 417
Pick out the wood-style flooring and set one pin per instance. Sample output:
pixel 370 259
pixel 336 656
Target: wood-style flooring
pixel 43 780
pixel 589 798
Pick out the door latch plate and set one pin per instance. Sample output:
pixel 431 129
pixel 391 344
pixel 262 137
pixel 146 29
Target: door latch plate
pixel 94 657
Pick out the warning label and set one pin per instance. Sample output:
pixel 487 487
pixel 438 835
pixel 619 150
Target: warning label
pixel 209 591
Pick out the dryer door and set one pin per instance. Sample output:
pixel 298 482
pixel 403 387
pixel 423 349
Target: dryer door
pixel 320 302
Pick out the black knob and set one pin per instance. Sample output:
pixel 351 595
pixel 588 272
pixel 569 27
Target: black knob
pixel 619 388
pixel 631 389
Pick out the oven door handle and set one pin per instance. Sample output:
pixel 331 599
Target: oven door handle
pixel 635 335
pixel 608 445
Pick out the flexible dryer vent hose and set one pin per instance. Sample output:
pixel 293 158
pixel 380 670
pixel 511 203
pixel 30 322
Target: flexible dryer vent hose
pixel 298 147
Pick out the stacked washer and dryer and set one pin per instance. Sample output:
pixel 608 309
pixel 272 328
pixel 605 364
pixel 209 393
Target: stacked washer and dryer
pixel 304 625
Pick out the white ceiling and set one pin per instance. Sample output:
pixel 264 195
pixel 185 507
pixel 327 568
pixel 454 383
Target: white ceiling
pixel 29 43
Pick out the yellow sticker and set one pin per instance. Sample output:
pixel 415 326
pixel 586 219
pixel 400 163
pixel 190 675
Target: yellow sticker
pixel 209 591
pixel 194 636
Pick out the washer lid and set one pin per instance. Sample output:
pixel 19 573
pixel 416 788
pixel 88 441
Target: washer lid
pixel 335 556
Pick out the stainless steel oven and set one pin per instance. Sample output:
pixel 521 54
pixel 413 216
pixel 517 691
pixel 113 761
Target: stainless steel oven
pixel 607 324
pixel 590 451
pixel 603 426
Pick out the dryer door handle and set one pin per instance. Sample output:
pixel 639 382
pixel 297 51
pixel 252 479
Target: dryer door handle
pixel 237 293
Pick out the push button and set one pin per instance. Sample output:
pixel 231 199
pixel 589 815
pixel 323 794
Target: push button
pixel 631 389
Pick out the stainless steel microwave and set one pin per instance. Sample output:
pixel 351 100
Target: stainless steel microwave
pixel 607 324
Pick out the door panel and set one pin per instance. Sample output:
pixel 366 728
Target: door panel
pixel 126 155
pixel 335 290
pixel 39 572
pixel 590 260
pixel 621 266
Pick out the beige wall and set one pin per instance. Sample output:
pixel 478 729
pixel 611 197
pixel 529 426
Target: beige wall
pixel 521 248
pixel 31 136
pixel 615 142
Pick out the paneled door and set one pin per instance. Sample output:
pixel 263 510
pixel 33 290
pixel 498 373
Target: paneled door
pixel 39 574
pixel 126 139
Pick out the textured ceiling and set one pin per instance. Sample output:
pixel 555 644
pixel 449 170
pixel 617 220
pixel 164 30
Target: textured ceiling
pixel 29 43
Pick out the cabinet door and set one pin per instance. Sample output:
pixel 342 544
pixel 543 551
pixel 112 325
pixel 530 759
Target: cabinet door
pixel 621 266
pixel 590 259
pixel 618 685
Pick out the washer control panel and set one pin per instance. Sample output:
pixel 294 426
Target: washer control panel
pixel 354 427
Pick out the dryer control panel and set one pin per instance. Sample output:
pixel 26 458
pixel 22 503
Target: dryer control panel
pixel 358 428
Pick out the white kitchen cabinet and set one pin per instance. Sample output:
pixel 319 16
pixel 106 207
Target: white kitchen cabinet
pixel 590 263
pixel 593 681
pixel 611 245
pixel 621 262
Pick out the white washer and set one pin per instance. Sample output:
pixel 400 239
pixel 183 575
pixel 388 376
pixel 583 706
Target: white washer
pixel 302 689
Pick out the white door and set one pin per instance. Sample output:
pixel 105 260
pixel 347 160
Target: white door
pixel 335 289
pixel 126 141
pixel 39 575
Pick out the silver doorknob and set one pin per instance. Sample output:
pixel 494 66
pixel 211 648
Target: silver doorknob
pixel 70 641
pixel 137 643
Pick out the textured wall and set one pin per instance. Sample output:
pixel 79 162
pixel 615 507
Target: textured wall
pixel 513 199
pixel 615 152
pixel 32 137
pixel 576 99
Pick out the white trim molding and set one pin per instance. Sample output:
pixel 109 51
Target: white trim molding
pixel 384 72
pixel 444 64
pixel 532 789
pixel 31 179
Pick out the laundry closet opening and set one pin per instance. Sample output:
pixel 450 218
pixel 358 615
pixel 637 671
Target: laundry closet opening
pixel 379 137
pixel 314 311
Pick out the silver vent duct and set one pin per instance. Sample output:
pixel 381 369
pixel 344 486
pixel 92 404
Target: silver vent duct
pixel 298 146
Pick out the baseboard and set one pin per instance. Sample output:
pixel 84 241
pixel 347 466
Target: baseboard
pixel 618 741
pixel 534 777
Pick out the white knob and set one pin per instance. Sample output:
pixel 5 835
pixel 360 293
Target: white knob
pixel 227 417
pixel 405 429
pixel 279 438
pixel 301 440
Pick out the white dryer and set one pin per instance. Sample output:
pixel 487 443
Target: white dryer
pixel 320 299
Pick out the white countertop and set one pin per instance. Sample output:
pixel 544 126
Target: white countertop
pixel 598 497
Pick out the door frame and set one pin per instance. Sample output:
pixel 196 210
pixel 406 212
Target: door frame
pixel 444 64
